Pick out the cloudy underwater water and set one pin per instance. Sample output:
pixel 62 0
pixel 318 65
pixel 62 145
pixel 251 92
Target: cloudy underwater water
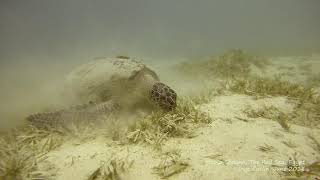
pixel 42 40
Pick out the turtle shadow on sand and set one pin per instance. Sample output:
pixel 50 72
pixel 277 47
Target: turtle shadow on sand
pixel 108 86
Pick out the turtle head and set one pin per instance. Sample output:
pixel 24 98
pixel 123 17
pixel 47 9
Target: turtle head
pixel 163 96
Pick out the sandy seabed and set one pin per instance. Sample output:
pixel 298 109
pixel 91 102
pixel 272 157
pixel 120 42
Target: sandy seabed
pixel 232 146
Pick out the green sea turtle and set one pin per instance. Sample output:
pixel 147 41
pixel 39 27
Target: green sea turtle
pixel 107 85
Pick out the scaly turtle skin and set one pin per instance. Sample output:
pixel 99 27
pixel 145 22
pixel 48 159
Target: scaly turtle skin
pixel 115 82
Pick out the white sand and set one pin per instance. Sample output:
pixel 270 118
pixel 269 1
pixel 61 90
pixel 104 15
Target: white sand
pixel 230 139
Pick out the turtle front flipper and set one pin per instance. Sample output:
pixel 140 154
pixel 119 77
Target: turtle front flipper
pixel 88 112
pixel 46 120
